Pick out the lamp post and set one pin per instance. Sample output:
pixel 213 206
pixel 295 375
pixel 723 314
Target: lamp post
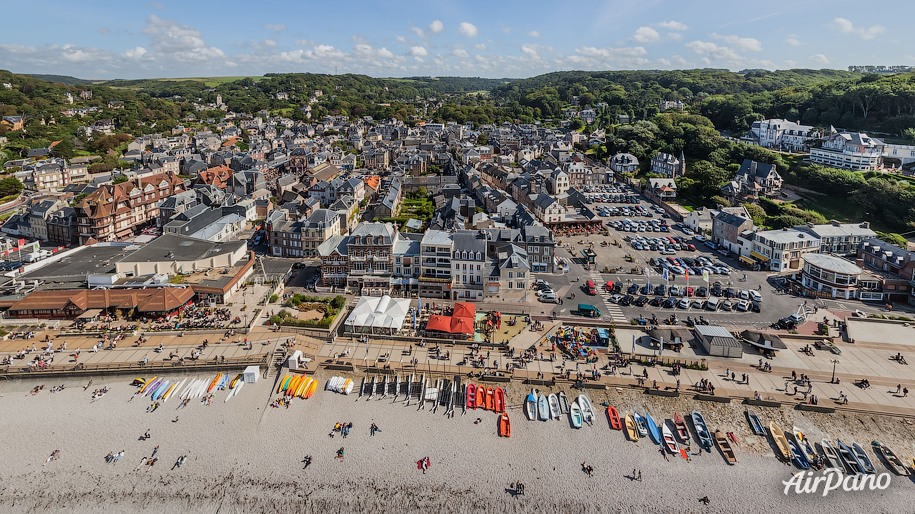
pixel 833 380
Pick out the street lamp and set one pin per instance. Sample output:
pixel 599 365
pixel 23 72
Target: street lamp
pixel 833 380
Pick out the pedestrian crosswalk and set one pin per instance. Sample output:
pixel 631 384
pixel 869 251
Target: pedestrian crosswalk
pixel 613 310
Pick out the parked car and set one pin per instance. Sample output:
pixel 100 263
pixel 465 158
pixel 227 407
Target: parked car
pixel 742 306
pixel 755 296
pixel 711 304
pixel 641 301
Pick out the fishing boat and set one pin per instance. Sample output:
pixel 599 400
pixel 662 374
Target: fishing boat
pixel 575 415
pixel 653 429
pixel 587 412
pixel 563 403
pixel 505 426
pixel 724 446
pixel 669 442
pixel 797 455
pixel 499 400
pixel 829 453
pixel 781 442
pixel 530 405
pixel 682 431
pixel 632 432
pixel 471 396
pixel 892 461
pixel 543 407
pixel 614 418
pixel 848 458
pixel 640 424
pixel 554 406
pixel 705 438
pixel 755 424
pixel 866 465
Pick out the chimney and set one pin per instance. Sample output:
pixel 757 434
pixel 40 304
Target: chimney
pixel 859 263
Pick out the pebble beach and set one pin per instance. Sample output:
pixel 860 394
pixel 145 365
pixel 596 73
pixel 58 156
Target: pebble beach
pixel 244 456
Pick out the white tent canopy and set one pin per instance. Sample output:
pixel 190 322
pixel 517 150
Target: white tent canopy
pixel 375 314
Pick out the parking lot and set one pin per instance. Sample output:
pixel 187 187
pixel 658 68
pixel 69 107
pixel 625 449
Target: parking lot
pixel 685 277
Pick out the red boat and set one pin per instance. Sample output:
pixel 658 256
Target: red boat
pixel 499 400
pixel 505 426
pixel 490 397
pixel 471 396
pixel 614 418
pixel 480 400
pixel 682 431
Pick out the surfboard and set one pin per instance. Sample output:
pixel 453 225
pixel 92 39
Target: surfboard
pixel 147 384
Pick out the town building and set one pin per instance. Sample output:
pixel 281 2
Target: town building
pixel 782 250
pixel 827 276
pixel 781 134
pixel 667 165
pixel 849 150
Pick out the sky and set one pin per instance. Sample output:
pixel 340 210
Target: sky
pixel 198 38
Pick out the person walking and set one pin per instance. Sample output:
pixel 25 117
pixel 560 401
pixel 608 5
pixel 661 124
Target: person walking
pixel 898 388
pixel 640 476
pixel 155 450
pixel 905 392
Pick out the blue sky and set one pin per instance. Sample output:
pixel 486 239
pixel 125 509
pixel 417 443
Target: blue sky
pixel 165 38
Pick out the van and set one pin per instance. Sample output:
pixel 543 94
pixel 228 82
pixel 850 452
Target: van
pixel 590 288
pixel 588 310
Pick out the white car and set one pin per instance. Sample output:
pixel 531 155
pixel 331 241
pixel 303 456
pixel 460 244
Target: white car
pixel 615 298
pixel 755 296
pixel 742 306
pixel 549 298
pixel 545 292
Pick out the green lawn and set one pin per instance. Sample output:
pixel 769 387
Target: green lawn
pixel 838 208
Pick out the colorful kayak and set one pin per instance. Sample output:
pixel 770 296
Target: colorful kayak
pixel 215 382
pixel 283 384
pixel 311 389
pixel 471 396
pixel 505 426
pixel 614 418
pixel 499 400
pixel 147 384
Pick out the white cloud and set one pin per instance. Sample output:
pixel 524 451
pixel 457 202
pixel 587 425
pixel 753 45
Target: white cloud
pixel 270 43
pixel 275 27
pixel 418 51
pixel 533 33
pixel 468 29
pixel 596 57
pixel 530 51
pixel 480 46
pixel 418 31
pixel 646 35
pixel 742 43
pixel 820 59
pixel 714 54
pixel 136 53
pixel 673 25
pixel 436 26
pixel 365 50
pixel 400 39
pixel 793 40
pixel 104 31
pixel 460 52
pixel 177 42
pixel 845 25
pixel 711 50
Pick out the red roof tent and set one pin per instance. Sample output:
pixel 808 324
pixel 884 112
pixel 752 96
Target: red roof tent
pixel 450 324
pixel 464 310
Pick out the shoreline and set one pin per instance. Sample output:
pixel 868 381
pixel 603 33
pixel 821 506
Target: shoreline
pixel 244 456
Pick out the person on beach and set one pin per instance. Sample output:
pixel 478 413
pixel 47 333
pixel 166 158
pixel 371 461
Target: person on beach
pixel 306 461
pixel 704 500
pixel 54 456
pixel 640 476
pixel 155 450
pixel 340 453
pixel 142 461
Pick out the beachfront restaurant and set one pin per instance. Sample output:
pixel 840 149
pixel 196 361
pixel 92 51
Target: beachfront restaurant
pixel 718 342
pixel 667 339
pixel 378 315
pixel 461 322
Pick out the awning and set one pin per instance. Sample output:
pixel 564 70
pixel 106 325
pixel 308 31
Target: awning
pixel 747 260
pixel 765 344
pixel 759 257
pixel 91 313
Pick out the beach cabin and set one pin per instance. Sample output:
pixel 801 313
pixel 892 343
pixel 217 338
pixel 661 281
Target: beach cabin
pixel 250 374
pixel 603 337
pixel 587 310
pixel 718 342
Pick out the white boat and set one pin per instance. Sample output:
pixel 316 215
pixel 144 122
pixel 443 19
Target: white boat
pixel 554 407
pixel 563 403
pixel 530 405
pixel 587 412
pixel 575 415
pixel 543 407
pixel 669 440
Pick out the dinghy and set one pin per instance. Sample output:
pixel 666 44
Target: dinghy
pixel 471 396
pixel 490 398
pixel 705 437
pixel 797 455
pixel 614 418
pixel 682 431
pixel 530 405
pixel 848 458
pixel 866 465
pixel 505 426
pixel 543 407
pixel 781 443
pixel 575 415
pixel 829 453
pixel 563 403
pixel 669 442
pixel 724 446
pixel 653 429
pixel 499 400
pixel 640 424
pixel 554 406
pixel 587 412
pixel 632 432
pixel 480 400
pixel 755 424
pixel 892 461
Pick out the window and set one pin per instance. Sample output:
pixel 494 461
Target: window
pixel 511 274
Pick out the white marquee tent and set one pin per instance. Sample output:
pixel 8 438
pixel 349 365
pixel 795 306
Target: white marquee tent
pixel 378 315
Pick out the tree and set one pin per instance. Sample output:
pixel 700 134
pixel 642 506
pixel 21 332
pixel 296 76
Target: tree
pixel 757 214
pixel 10 186
pixel 120 179
pixel 577 124
pixel 893 239
pixel 483 138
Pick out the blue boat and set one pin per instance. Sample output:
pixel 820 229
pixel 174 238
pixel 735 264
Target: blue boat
pixel 705 438
pixel 848 458
pixel 640 424
pixel 653 429
pixel 798 457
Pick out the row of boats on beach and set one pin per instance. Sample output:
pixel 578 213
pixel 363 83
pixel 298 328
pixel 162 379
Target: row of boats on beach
pixel 795 447
pixel 672 434
pixel 161 389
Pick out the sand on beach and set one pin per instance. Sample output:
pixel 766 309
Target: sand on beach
pixel 244 456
